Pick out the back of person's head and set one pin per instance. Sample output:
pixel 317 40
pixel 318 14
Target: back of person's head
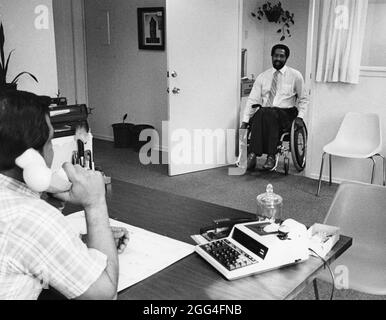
pixel 283 47
pixel 23 125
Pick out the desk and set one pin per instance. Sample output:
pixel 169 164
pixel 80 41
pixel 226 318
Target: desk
pixel 193 278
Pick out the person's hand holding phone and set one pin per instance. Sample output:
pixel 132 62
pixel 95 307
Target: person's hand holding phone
pixel 88 187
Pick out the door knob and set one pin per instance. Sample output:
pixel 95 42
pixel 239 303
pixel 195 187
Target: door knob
pixel 176 90
pixel 174 74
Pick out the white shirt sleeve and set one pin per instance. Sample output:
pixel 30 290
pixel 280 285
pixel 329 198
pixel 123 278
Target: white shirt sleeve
pixel 254 98
pixel 301 91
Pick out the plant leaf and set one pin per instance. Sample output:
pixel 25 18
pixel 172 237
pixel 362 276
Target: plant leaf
pixel 22 73
pixel 2 40
pixel 6 65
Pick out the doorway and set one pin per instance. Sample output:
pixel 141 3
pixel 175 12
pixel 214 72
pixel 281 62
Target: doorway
pixel 117 88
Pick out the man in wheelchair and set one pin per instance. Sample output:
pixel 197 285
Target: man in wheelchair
pixel 278 98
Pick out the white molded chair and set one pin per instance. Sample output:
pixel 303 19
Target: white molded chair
pixel 359 210
pixel 359 137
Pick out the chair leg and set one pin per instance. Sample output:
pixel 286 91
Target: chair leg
pixel 373 171
pixel 316 291
pixel 383 168
pixel 320 176
pixel 330 164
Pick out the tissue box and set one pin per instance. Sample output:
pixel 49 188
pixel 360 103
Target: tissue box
pixel 323 238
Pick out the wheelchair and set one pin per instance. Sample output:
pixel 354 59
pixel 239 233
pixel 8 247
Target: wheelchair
pixel 293 141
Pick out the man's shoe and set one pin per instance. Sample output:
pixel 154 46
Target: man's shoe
pixel 251 161
pixel 270 164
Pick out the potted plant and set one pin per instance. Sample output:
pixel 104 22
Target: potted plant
pixel 4 63
pixel 123 133
pixel 276 14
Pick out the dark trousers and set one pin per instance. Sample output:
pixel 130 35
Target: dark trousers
pixel 267 127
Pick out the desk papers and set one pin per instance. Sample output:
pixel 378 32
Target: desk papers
pixel 146 254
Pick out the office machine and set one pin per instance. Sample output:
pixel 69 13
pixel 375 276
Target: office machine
pixel 251 248
pixel 66 119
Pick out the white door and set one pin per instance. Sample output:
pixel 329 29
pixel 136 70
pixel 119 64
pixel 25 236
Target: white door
pixel 204 60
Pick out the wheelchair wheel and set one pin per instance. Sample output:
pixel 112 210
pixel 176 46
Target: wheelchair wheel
pixel 298 145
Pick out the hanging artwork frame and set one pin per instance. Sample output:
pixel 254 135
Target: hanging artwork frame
pixel 151 28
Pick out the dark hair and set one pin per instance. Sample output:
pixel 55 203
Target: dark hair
pixel 283 47
pixel 23 125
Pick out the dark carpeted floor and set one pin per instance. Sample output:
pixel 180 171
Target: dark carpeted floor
pixel 239 192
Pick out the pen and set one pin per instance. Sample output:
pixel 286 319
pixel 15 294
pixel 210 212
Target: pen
pixel 75 158
pixel 89 161
pixel 81 152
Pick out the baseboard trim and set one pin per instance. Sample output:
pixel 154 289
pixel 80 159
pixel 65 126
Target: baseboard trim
pixel 315 176
pixel 103 137
pixel 111 139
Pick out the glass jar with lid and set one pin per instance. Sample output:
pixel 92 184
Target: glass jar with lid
pixel 269 205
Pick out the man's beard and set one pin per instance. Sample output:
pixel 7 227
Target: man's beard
pixel 278 65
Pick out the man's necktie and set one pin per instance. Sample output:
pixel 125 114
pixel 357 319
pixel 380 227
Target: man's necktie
pixel 272 93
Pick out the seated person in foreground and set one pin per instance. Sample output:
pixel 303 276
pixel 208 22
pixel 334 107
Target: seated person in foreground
pixel 38 248
pixel 271 107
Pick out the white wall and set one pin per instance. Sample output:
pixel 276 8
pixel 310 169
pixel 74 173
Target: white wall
pixel 374 48
pixel 253 39
pixel 34 48
pixel 121 78
pixel 70 50
pixel 260 36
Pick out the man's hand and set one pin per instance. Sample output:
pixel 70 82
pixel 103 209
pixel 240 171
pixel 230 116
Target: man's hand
pixel 121 238
pixel 299 122
pixel 88 187
pixel 244 126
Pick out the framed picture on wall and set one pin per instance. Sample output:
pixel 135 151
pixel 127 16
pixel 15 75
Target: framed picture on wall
pixel 151 28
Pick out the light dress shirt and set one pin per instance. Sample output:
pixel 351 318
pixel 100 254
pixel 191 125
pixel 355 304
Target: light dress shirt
pixel 38 248
pixel 291 92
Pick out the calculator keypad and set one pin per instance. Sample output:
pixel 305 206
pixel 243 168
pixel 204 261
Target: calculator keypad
pixel 228 255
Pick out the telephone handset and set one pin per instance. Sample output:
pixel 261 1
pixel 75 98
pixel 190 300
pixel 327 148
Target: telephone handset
pixel 38 177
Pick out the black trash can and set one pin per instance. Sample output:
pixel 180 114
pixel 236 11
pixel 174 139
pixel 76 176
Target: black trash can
pixel 136 131
pixel 123 135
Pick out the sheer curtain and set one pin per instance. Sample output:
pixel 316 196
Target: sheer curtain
pixel 342 25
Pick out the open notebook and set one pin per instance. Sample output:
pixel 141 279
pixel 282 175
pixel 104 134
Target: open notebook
pixel 146 254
